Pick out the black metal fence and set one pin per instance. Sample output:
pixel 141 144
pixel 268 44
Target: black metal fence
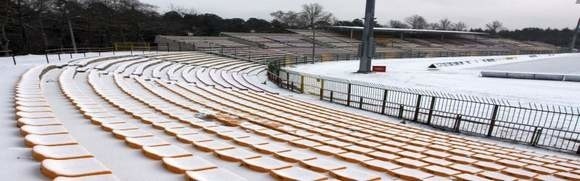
pixel 549 126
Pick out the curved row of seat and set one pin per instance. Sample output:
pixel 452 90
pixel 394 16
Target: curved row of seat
pixel 188 98
pixel 61 157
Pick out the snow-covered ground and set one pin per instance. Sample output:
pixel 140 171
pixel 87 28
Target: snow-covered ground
pixel 461 75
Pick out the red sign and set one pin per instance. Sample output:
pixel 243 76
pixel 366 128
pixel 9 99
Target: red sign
pixel 379 68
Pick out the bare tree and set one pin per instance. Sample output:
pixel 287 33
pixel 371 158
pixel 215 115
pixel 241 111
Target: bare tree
pixel 494 26
pixel 417 22
pixel 445 24
pixel 397 24
pixel 315 14
pixel 434 26
pixel 290 18
pixel 459 26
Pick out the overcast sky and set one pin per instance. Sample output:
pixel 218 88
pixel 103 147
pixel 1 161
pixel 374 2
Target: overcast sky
pixel 476 13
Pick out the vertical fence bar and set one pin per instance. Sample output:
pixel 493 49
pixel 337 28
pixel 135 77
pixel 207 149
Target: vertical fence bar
pixel 58 56
pixel 302 84
pixel 431 108
pixel 46 55
pixel 401 111
pixel 348 95
pixel 457 123
pixel 384 105
pixel 493 119
pixel 321 89
pixel 13 59
pixel 331 95
pixel 417 108
pixel 360 106
pixel 287 80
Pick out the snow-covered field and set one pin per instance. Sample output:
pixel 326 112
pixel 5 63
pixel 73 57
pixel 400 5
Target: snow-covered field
pixel 461 75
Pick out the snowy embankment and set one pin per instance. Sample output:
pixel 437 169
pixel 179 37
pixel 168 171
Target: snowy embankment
pixel 458 78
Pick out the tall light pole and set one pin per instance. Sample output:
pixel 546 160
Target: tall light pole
pixel 367 47
pixel 313 39
pixel 573 43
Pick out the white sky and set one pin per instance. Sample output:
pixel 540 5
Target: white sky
pixel 476 13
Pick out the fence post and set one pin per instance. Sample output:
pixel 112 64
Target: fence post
pixel 536 136
pixel 331 95
pixel 431 108
pixel 348 95
pixel 13 59
pixel 384 106
pixel 46 55
pixel 417 108
pixel 493 119
pixel 360 103
pixel 287 80
pixel 58 56
pixel 457 123
pixel 302 84
pixel 321 89
pixel 291 86
pixel 401 111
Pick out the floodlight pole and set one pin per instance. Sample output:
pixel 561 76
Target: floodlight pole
pixel 576 32
pixel 367 39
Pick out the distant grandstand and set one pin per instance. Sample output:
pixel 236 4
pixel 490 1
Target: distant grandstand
pixel 390 43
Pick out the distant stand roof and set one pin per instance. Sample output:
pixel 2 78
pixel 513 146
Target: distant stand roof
pixel 405 30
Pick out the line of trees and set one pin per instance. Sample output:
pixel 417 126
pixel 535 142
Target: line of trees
pixel 32 26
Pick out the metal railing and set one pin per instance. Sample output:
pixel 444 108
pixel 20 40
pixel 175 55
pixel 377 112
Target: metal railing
pixel 548 126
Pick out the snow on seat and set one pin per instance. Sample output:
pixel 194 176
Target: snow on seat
pixel 32 103
pixel 216 174
pixel 265 164
pixel 181 131
pixel 136 133
pixel 252 140
pixel 236 154
pixel 42 130
pixel 441 171
pixel 49 140
pixel 34 115
pixel 191 138
pixel 328 150
pixel 103 177
pixel 213 146
pixel 295 156
pixel 169 125
pixel 159 152
pixel 380 165
pixel 233 135
pixel 33 109
pixel 188 163
pixel 59 152
pixel 271 148
pixel 145 141
pixel 118 126
pixel 38 122
pixel 297 173
pixel 350 174
pixel 101 121
pixel 354 157
pixel 520 173
pixel 410 174
pixel 496 176
pixel 73 167
pixel 322 164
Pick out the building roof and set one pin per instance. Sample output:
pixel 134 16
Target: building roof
pixel 406 30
